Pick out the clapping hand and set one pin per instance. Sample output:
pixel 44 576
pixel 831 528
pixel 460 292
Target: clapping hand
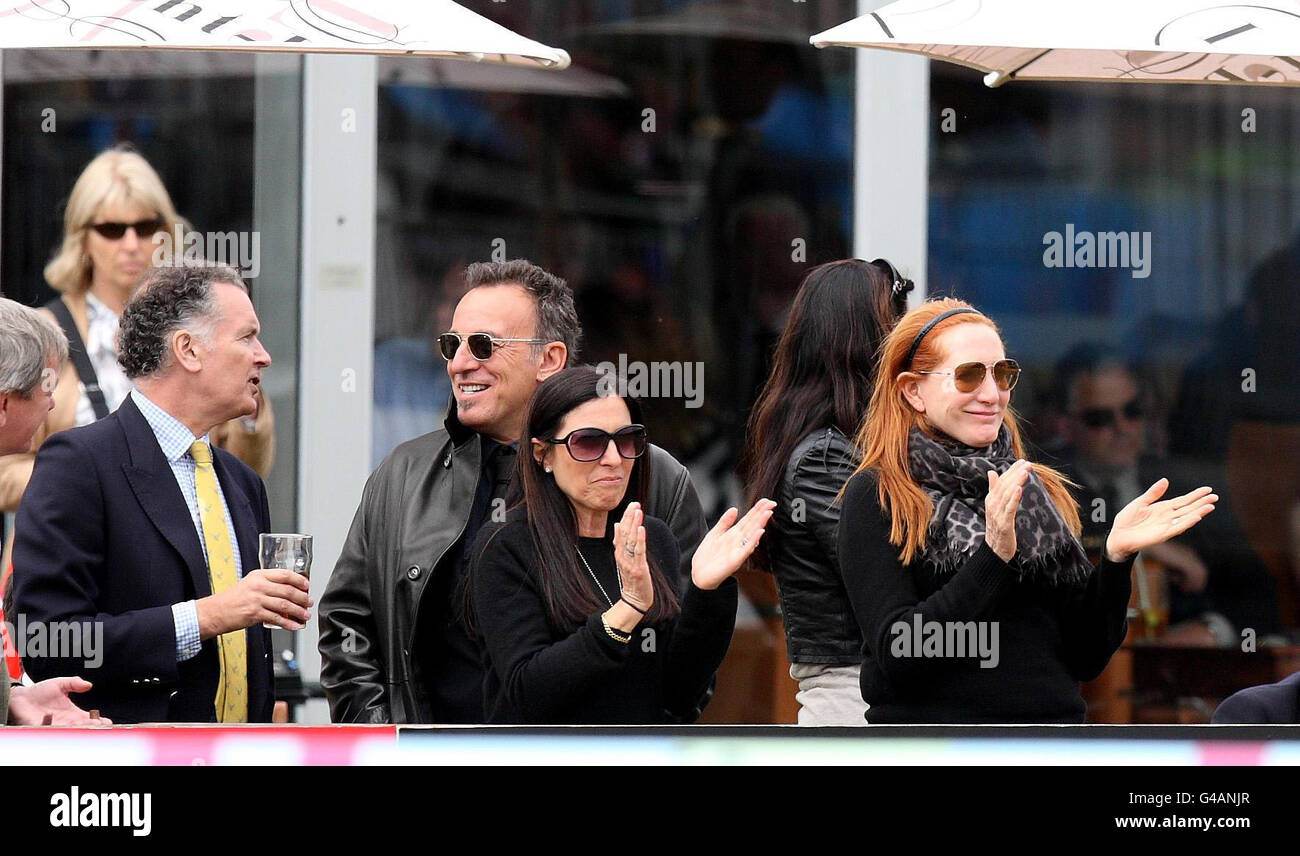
pixel 1000 506
pixel 1144 521
pixel 629 556
pixel 729 544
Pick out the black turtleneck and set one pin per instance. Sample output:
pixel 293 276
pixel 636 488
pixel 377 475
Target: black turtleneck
pixel 449 657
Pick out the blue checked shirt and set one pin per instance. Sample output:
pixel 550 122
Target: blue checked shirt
pixel 175 440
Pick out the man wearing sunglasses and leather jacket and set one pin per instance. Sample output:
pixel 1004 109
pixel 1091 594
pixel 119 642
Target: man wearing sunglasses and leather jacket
pixel 393 643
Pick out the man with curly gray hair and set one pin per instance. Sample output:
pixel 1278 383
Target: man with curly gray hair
pixel 139 529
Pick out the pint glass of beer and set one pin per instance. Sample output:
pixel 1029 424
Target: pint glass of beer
pixel 285 551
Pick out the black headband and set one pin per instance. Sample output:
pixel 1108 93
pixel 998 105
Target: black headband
pixel 916 343
pixel 900 285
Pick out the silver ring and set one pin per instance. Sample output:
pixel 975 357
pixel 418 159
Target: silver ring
pixel 631 551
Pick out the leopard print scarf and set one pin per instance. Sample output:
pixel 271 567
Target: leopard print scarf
pixel 955 477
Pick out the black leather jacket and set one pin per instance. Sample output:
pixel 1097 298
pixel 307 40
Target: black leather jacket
pixel 413 511
pixel 804 553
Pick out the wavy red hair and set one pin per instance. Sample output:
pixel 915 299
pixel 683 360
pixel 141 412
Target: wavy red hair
pixel 883 437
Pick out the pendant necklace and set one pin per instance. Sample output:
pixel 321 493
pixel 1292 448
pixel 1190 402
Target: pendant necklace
pixel 603 593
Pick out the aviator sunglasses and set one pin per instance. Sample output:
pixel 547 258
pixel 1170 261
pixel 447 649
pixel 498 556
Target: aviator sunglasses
pixel 969 376
pixel 589 444
pixel 142 228
pixel 481 345
pixel 1105 417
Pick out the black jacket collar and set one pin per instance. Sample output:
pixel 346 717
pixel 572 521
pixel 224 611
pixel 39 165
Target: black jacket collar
pixel 459 433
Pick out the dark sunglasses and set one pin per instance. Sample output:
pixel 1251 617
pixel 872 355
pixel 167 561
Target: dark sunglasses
pixel 1105 417
pixel 589 444
pixel 969 376
pixel 480 344
pixel 142 228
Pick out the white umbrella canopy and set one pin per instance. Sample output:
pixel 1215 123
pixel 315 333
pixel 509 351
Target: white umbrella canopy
pixel 576 82
pixel 1180 41
pixel 37 66
pixel 424 28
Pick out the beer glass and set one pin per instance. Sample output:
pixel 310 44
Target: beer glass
pixel 284 551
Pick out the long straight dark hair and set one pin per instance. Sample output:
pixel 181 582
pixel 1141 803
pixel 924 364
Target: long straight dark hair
pixel 822 369
pixel 568 591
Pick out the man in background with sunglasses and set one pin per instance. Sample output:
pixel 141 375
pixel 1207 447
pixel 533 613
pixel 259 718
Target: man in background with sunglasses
pixel 1216 584
pixel 393 642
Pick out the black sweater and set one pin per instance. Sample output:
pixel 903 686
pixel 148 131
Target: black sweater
pixel 1048 638
pixel 539 674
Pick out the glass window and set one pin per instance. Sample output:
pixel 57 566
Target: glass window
pixel 682 184
pixel 686 171
pixel 1137 244
pixel 220 129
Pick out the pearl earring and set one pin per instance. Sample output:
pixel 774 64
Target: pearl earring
pixel 548 469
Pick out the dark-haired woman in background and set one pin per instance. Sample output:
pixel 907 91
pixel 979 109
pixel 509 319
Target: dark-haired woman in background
pixel 800 450
pixel 579 616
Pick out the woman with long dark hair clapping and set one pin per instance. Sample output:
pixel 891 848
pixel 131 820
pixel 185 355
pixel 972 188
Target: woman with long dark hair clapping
pixel 581 617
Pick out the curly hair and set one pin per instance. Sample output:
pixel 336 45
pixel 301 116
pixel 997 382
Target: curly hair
pixel 171 298
pixel 557 318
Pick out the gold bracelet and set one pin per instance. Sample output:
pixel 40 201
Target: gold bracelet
pixel 614 634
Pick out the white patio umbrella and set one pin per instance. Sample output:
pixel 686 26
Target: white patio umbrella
pixel 36 66
pixel 424 28
pixel 576 82
pixel 1182 41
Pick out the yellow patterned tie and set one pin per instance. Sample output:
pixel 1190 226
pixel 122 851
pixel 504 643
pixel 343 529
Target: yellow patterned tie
pixel 232 684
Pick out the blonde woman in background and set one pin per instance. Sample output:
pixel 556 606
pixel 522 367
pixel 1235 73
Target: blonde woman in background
pixel 115 220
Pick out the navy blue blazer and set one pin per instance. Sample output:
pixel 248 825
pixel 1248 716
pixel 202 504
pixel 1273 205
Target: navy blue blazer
pixel 1270 704
pixel 103 537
